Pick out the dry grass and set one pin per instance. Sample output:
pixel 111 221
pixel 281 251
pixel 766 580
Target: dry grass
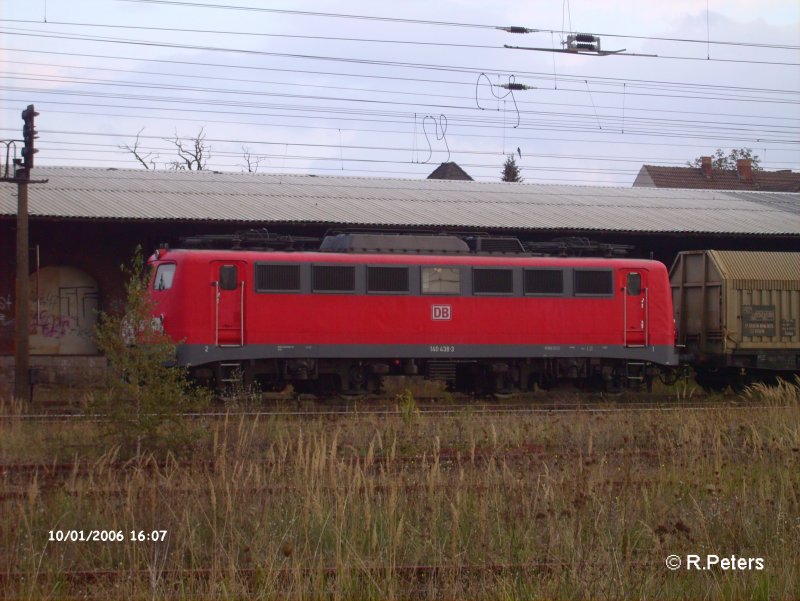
pixel 568 506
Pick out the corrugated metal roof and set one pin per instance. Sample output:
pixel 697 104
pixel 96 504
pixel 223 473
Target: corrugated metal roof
pixel 275 198
pixel 759 270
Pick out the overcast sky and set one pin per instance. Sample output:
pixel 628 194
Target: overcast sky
pixel 378 89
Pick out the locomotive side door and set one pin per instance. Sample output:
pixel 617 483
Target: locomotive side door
pixel 634 306
pixel 228 286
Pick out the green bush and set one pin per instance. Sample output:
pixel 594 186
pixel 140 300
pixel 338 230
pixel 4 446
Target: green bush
pixel 147 393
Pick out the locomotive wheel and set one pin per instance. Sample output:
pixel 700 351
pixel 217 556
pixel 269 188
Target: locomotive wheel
pixel 356 378
pixel 669 376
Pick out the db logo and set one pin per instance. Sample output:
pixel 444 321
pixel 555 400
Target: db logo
pixel 441 312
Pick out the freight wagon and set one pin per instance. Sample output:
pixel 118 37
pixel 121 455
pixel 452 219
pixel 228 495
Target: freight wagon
pixel 737 315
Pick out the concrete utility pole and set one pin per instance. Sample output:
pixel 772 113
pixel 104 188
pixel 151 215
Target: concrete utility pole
pixel 22 177
pixel 22 384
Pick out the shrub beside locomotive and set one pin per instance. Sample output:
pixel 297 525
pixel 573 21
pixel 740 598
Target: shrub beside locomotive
pixel 482 314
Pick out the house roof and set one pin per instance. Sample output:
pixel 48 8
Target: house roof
pixel 263 199
pixel 449 171
pixel 720 179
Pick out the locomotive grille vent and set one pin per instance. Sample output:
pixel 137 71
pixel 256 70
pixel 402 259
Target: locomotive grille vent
pixel 334 278
pixel 544 281
pixel 387 279
pixel 593 281
pixel 277 277
pixel 493 281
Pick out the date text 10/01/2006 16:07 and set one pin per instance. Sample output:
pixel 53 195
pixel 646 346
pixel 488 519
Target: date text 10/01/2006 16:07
pixel 107 536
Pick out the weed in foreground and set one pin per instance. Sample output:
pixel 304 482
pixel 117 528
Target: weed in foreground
pixel 561 506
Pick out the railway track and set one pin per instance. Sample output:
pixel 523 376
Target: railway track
pixel 15 478
pixel 314 409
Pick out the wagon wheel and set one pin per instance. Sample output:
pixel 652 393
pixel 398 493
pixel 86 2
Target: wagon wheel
pixel 711 379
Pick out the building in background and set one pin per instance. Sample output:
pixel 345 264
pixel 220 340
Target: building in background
pixel 450 171
pixel 705 177
pixel 87 222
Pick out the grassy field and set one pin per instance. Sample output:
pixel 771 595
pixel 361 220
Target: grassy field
pixel 579 505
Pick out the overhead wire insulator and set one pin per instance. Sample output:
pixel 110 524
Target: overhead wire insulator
pixel 517 29
pixel 516 86
pixel 583 41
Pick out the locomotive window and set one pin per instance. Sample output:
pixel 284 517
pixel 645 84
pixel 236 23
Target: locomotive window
pixel 544 281
pixel 334 278
pixel 164 276
pixel 228 277
pixel 593 281
pixel 634 284
pixel 277 278
pixel 441 280
pixel 387 279
pixel 492 281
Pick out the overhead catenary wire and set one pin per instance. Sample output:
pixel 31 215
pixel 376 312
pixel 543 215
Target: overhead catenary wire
pixel 399 118
pixel 58 145
pixel 228 99
pixel 602 141
pixel 209 77
pixel 228 92
pixel 273 143
pixel 576 78
pixel 344 110
pixel 246 51
pixel 571 126
pixel 517 29
pixel 392 41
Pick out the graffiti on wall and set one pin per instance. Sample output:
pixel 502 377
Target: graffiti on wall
pixel 63 308
pixel 6 309
pixel 63 313
pixel 68 311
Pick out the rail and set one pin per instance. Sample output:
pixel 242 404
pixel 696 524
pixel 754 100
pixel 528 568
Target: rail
pixel 388 411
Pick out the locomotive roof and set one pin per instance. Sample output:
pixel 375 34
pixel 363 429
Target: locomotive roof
pixel 269 199
pixel 254 256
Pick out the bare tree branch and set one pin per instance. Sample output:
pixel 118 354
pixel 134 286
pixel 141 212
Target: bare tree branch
pixel 252 163
pixel 147 160
pixel 193 153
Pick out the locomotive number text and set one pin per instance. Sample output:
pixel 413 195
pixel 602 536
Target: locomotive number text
pixel 443 348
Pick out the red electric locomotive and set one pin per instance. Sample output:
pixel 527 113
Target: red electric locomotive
pixel 367 306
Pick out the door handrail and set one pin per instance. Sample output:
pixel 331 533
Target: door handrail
pixel 241 313
pixel 216 313
pixel 625 314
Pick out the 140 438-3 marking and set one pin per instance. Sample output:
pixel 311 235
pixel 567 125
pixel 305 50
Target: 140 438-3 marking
pixel 442 348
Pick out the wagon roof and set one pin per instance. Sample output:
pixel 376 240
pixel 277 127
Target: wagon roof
pixel 758 270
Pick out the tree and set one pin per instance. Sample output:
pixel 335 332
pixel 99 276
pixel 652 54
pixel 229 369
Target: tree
pixel 511 171
pixel 145 159
pixel 251 162
pixel 146 393
pixel 720 160
pixel 193 153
